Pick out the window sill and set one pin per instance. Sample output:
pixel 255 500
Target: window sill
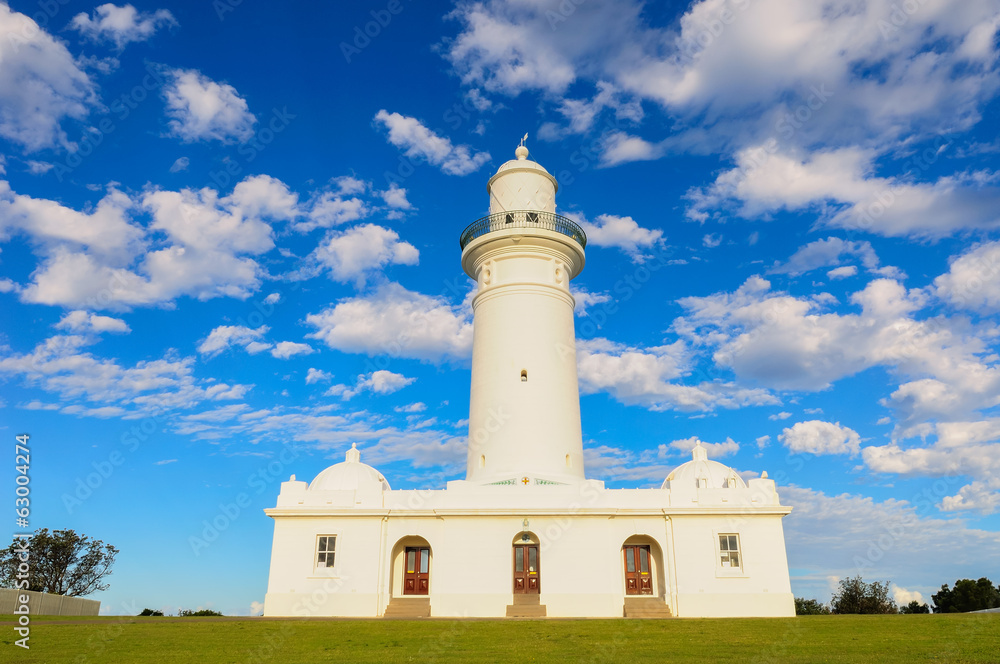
pixel 731 574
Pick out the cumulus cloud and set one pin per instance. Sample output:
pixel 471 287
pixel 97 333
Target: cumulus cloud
pixel 98 387
pixel 973 279
pixel 818 437
pixel 286 349
pixel 180 164
pixel 396 322
pixel 121 25
pixel 653 377
pixel 356 254
pixel 202 109
pixel 223 337
pixel 623 233
pixel 81 322
pixel 41 85
pixel 789 343
pixel 196 243
pixel 840 185
pixel 830 252
pixel 317 375
pixel 419 142
pixel 714 450
pixel 378 382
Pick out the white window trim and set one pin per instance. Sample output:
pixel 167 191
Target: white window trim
pixel 326 572
pixel 729 572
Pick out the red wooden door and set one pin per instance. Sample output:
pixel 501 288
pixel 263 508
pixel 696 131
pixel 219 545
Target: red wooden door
pixel 527 578
pixel 416 577
pixel 638 577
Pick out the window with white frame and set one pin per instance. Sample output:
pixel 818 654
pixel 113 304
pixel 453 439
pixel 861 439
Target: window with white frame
pixel 729 551
pixel 326 546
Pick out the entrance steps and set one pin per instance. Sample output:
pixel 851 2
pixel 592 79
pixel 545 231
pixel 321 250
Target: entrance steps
pixel 526 606
pixel 646 607
pixel 408 607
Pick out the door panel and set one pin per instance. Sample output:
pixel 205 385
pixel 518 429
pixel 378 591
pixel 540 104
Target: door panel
pixel 416 570
pixel 527 575
pixel 638 570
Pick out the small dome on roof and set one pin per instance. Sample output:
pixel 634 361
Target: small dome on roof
pixel 522 163
pixel 702 472
pixel 349 475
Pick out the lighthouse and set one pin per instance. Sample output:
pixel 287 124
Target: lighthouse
pixel 526 534
pixel 524 411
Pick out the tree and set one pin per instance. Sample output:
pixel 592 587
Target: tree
pixel 151 612
pixel 915 607
pixel 810 607
pixel 60 562
pixel 856 596
pixel 968 595
pixel 186 613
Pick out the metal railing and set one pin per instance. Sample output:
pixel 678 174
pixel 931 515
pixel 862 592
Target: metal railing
pixel 500 221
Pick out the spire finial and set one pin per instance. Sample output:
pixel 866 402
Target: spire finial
pixel 522 152
pixel 698 452
pixel 353 455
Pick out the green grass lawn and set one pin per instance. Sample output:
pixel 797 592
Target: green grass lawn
pixel 904 638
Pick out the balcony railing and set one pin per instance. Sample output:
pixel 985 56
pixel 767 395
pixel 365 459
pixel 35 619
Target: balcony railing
pixel 500 221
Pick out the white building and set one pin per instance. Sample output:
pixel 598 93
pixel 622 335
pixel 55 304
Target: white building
pixel 526 534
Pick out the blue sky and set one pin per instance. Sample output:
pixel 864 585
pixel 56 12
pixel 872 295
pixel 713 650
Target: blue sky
pixel 229 249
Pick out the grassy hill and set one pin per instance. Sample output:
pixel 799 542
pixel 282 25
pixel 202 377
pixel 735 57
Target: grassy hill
pixel 897 638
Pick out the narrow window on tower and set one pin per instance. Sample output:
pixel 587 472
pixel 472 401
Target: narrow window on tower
pixel 482 460
pixel 524 375
pixel 569 464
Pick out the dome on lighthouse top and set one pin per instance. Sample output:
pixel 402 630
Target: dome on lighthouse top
pixel 523 164
pixel 702 472
pixel 349 475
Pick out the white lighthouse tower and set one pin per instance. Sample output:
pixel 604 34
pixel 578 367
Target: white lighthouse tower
pixel 524 414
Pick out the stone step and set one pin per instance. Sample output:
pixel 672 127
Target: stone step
pixel 527 599
pixel 525 610
pixel 646 607
pixel 407 607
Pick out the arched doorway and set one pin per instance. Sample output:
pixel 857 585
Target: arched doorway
pixel 526 564
pixel 412 563
pixel 642 567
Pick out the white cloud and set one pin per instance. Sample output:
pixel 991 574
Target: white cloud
pixel 785 342
pixel 585 299
pixel 180 164
pixel 223 337
pixel 121 25
pixel 615 463
pixel 202 109
pixel 902 596
pixel 818 437
pixel 102 259
pixel 763 441
pixel 419 142
pixel 256 608
pixel 379 382
pixel 59 365
pixel 623 233
pixel 396 322
pixel 840 185
pixel 416 407
pixel 981 497
pixel 39 167
pixel 849 534
pixel 652 377
pixel 395 197
pixel 82 322
pixel 331 208
pixel 359 252
pixel 779 416
pixel 714 450
pixel 827 253
pixel 317 375
pixel 286 349
pixel 842 272
pixel 40 85
pixel 973 279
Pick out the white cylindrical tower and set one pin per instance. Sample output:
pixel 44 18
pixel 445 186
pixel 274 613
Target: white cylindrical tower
pixel 524 414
